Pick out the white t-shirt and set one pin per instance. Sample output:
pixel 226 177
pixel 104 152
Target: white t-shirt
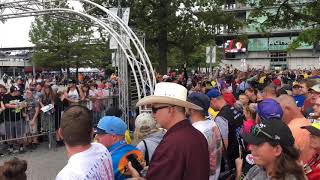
pixel 73 94
pixel 94 163
pixel 210 130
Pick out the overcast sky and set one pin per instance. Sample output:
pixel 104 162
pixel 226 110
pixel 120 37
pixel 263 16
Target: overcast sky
pixel 15 32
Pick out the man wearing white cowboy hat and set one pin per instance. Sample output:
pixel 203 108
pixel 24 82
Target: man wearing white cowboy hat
pixel 183 152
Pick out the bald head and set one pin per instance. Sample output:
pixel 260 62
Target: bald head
pixel 289 107
pixel 269 92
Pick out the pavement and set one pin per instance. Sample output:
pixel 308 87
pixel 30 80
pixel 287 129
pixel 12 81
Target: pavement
pixel 43 163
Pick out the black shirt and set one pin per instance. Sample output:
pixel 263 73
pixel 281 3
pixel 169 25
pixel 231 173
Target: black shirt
pixel 12 114
pixel 235 121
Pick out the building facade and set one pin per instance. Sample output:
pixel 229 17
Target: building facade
pixel 269 52
pixel 15 61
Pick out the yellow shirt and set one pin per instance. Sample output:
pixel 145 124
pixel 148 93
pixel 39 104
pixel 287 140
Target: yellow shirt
pixel 212 112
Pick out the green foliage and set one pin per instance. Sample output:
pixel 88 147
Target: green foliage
pixel 62 43
pixel 300 15
pixel 176 30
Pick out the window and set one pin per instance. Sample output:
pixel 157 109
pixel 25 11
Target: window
pixel 278 56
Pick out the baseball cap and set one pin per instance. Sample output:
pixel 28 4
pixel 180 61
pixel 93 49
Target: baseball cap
pixel 111 125
pixel 165 76
pixel 277 82
pixel 270 131
pixel 295 84
pixel 316 88
pixel 229 98
pixel 269 108
pixel 201 100
pixel 314 129
pixel 145 123
pixel 213 93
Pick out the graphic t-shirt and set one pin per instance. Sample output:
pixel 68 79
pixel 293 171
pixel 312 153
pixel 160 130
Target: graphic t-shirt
pixel 94 163
pixel 32 104
pixel 210 130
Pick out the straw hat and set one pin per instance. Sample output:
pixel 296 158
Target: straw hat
pixel 169 93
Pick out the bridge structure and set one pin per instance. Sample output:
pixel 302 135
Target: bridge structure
pixel 132 53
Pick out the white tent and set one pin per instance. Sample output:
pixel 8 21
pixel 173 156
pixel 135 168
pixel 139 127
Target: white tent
pixel 85 70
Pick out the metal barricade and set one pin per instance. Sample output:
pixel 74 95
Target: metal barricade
pixel 16 127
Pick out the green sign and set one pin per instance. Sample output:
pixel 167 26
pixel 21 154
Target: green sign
pixel 273 44
pixel 258 44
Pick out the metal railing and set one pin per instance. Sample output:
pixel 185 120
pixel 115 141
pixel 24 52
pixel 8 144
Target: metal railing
pixel 16 126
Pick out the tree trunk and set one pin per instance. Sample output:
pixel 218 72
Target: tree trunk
pixel 163 37
pixel 163 48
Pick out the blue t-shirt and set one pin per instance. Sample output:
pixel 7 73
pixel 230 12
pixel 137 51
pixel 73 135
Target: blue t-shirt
pixel 299 99
pixel 119 151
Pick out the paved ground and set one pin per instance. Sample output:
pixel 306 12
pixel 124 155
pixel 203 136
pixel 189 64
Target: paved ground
pixel 43 163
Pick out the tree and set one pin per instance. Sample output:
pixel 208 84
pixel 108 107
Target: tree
pixel 301 15
pixel 173 26
pixel 62 43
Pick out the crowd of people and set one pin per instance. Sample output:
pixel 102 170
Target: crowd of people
pixel 238 125
pixel 257 124
pixel 31 108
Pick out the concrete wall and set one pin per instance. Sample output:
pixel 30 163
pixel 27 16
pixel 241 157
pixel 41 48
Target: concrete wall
pixel 13 63
pixel 253 63
pixel 303 59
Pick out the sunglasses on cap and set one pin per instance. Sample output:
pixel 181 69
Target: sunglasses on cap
pixel 258 131
pixel 155 109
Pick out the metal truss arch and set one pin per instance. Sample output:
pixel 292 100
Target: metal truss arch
pixel 24 8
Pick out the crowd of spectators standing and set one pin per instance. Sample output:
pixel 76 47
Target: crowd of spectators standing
pixel 258 124
pixel 31 108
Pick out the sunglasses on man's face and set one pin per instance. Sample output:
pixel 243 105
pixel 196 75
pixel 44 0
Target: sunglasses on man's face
pixel 256 131
pixel 155 109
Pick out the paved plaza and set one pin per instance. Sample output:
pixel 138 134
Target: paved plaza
pixel 43 163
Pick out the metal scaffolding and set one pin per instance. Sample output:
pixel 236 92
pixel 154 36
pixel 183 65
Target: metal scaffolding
pixel 139 63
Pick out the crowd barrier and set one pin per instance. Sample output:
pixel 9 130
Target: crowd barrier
pixel 16 126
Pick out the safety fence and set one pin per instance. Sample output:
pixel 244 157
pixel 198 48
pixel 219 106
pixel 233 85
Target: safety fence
pixel 17 125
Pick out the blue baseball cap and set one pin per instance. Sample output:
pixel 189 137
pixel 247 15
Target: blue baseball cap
pixel 269 108
pixel 111 125
pixel 201 100
pixel 213 93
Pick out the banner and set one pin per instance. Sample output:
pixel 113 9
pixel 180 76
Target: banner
pixel 274 44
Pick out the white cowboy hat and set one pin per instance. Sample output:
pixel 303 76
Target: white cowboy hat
pixel 168 93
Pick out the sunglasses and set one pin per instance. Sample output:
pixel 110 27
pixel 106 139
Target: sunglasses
pixel 256 131
pixel 155 109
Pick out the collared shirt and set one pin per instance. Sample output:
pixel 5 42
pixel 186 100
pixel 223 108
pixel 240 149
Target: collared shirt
pixel 182 154
pixel 119 152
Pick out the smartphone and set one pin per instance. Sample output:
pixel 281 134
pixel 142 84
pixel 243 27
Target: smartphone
pixel 135 163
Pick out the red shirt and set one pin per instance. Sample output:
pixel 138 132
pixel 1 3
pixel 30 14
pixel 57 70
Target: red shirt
pixel 312 168
pixel 181 155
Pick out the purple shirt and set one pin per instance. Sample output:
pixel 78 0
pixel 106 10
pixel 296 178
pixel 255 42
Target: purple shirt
pixel 182 154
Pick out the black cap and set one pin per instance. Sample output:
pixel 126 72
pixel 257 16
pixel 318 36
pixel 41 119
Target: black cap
pixel 278 131
pixel 201 100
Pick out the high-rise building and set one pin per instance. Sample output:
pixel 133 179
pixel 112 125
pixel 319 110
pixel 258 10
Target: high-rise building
pixel 260 50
